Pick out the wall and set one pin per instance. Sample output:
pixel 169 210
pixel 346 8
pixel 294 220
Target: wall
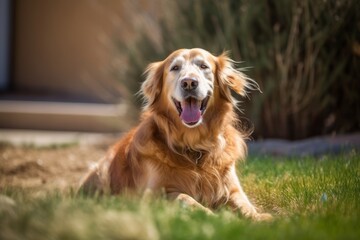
pixel 65 48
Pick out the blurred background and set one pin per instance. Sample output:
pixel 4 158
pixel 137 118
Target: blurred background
pixel 76 65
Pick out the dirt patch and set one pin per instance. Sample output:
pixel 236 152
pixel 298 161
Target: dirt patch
pixel 44 169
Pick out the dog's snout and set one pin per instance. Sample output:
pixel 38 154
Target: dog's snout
pixel 189 84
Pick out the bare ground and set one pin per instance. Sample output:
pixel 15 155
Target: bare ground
pixel 46 169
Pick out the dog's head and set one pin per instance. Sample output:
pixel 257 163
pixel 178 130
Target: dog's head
pixel 189 81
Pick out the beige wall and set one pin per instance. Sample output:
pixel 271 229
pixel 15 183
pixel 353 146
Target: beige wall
pixel 66 47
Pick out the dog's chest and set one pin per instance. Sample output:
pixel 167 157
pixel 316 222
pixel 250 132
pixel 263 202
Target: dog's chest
pixel 206 185
pixel 211 188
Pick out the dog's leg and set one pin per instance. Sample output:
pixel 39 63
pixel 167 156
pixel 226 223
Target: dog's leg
pixel 147 195
pixel 91 184
pixel 239 201
pixel 96 181
pixel 188 201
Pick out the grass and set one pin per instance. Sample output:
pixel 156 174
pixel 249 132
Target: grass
pixel 310 199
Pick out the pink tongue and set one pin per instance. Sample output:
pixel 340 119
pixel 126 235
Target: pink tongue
pixel 190 111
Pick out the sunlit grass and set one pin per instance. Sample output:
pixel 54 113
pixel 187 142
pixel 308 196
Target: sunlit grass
pixel 304 186
pixel 310 199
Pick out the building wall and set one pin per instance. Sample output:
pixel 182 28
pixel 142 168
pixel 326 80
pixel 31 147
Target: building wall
pixel 5 16
pixel 65 48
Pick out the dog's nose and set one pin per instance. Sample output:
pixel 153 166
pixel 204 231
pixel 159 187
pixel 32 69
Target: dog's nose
pixel 189 84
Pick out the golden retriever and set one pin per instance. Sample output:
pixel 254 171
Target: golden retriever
pixel 187 142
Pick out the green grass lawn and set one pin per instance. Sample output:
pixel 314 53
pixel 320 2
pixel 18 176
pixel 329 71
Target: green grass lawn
pixel 310 199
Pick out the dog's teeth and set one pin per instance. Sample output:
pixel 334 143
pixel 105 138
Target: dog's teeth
pixel 204 104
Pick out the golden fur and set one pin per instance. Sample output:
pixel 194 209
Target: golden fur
pixel 194 161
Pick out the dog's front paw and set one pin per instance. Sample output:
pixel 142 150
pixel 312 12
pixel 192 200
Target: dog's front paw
pixel 262 217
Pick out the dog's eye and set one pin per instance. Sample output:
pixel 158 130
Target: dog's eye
pixel 203 66
pixel 174 68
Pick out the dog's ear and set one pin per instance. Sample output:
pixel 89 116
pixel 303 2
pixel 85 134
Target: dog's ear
pixel 151 87
pixel 229 77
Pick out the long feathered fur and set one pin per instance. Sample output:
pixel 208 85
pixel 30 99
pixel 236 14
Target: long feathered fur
pixel 162 153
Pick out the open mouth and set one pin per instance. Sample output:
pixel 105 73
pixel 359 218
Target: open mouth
pixel 191 110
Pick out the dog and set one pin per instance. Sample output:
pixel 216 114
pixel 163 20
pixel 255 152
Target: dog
pixel 187 143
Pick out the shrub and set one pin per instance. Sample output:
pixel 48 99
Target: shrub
pixel 303 53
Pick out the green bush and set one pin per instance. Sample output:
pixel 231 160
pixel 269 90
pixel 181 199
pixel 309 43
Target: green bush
pixel 305 55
